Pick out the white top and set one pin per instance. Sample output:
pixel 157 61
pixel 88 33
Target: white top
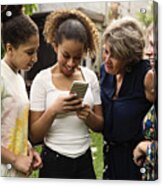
pixel 14 115
pixel 68 135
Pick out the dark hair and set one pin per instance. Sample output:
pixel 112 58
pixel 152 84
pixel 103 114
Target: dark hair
pixel 16 27
pixel 10 11
pixel 71 29
pixel 71 24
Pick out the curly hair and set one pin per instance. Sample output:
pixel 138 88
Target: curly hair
pixel 126 40
pixel 88 35
pixel 16 27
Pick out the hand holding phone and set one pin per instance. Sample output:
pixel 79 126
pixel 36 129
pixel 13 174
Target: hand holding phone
pixel 80 88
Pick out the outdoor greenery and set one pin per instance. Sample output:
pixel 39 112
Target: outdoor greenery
pixel 30 9
pixel 96 138
pixel 146 16
pixel 97 153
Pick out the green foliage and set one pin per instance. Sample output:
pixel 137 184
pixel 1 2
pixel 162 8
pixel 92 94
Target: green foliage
pixel 30 9
pixel 35 173
pixel 146 17
pixel 97 154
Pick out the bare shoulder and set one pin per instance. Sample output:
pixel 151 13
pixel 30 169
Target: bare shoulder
pixel 149 80
pixel 149 85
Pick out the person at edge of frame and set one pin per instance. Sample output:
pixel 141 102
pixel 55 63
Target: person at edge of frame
pixel 145 153
pixel 126 95
pixel 20 40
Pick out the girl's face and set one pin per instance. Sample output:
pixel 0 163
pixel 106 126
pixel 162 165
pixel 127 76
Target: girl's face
pixel 24 57
pixel 69 54
pixel 112 65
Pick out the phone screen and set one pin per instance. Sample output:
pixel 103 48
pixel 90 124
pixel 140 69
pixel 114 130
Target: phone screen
pixel 80 88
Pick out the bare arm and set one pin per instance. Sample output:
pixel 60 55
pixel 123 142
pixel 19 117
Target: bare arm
pixel 40 122
pixel 150 84
pixel 7 156
pixel 93 118
pixel 20 162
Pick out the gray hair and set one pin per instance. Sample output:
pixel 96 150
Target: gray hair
pixel 126 40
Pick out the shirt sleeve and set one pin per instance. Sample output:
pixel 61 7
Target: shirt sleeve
pixel 95 89
pixel 3 94
pixel 2 88
pixel 38 94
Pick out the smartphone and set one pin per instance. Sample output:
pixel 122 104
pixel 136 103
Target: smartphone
pixel 80 88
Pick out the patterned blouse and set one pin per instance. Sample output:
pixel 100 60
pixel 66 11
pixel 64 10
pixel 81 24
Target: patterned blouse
pixel 14 115
pixel 150 164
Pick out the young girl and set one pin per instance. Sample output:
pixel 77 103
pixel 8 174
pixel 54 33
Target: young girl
pixel 58 117
pixel 20 41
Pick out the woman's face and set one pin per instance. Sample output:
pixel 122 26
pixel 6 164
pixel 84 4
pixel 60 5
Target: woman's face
pixel 150 50
pixel 24 57
pixel 112 65
pixel 69 54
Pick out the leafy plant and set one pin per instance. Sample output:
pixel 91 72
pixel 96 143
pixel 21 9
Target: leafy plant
pixel 146 16
pixel 30 9
pixel 97 154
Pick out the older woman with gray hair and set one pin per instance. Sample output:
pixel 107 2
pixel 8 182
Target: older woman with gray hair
pixel 126 94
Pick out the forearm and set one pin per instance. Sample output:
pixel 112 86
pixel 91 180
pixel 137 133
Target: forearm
pixel 40 127
pixel 7 156
pixel 42 121
pixel 94 122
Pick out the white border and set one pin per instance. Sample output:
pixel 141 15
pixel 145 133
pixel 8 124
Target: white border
pixel 57 182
